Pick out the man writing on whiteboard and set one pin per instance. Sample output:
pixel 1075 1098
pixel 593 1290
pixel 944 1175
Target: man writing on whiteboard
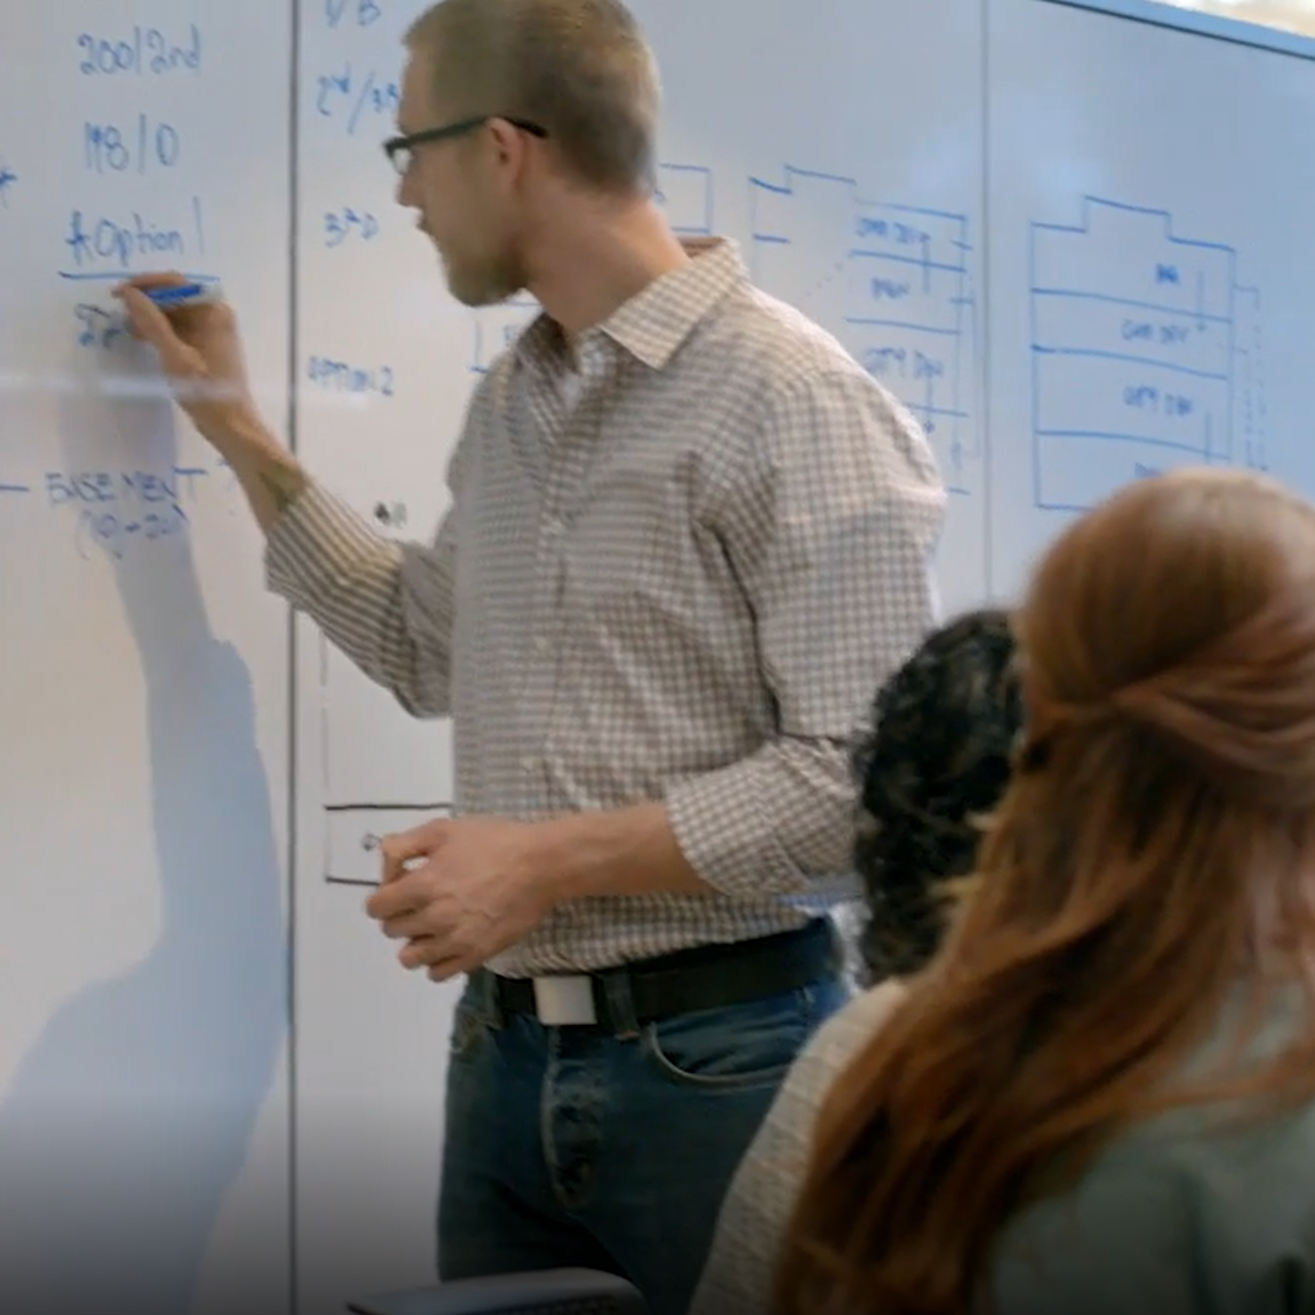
pixel 688 538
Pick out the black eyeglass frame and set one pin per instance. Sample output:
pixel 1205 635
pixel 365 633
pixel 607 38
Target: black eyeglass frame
pixel 394 146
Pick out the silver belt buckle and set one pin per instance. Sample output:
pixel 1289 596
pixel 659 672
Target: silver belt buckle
pixel 565 1001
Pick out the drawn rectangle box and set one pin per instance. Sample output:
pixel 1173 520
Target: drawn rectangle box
pixel 1129 255
pixel 903 327
pixel 1069 322
pixel 1095 397
pixel 907 266
pixel 685 193
pixel 352 838
pixel 1074 474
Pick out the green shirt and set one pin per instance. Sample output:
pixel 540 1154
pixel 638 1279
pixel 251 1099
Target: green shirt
pixel 1173 1217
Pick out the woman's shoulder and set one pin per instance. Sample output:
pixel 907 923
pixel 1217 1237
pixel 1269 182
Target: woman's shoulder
pixel 1226 1191
pixel 1172 1225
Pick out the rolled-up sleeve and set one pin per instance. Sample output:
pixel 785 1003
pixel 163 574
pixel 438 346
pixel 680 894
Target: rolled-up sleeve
pixel 387 606
pixel 830 522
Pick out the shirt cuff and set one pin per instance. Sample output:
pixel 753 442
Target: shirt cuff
pixel 777 823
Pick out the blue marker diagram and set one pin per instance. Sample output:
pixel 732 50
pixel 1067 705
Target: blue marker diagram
pixel 684 190
pixel 1146 354
pixel 892 282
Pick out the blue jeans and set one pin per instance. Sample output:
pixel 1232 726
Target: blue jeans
pixel 607 1149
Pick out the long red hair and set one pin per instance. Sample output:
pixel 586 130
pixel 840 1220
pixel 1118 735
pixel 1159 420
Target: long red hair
pixel 1153 853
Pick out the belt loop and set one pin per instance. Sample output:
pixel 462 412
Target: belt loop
pixel 620 1003
pixel 484 987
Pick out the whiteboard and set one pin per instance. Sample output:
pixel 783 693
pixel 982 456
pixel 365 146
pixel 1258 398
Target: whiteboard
pixel 1149 282
pixel 866 219
pixel 1049 229
pixel 144 1115
pixel 379 402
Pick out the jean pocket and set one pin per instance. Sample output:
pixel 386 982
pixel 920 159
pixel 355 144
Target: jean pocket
pixel 468 1029
pixel 745 1045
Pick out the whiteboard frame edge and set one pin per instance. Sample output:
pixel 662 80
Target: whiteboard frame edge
pixel 1236 30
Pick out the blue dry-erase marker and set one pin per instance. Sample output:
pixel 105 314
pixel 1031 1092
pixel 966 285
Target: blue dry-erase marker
pixel 185 294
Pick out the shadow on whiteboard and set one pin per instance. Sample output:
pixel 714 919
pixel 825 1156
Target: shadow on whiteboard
pixel 128 1121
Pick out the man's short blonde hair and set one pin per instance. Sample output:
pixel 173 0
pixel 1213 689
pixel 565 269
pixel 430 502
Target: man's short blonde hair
pixel 580 69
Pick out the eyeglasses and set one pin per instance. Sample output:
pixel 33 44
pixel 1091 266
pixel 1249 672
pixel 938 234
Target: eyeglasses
pixel 401 150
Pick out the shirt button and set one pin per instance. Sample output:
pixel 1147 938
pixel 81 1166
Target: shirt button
pixel 540 643
pixel 529 762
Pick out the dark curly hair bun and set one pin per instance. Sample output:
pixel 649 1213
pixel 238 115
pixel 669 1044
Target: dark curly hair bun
pixel 937 755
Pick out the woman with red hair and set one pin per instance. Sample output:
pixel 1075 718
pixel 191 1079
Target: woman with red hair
pixel 1100 1097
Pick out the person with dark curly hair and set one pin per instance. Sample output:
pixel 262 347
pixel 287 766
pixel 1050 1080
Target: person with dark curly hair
pixel 932 763
pixel 935 758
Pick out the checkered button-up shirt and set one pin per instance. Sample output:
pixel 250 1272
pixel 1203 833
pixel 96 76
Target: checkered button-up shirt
pixel 677 564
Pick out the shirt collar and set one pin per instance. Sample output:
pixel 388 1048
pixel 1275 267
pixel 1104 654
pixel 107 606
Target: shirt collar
pixel 654 322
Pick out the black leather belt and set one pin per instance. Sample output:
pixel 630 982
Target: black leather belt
pixel 705 977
